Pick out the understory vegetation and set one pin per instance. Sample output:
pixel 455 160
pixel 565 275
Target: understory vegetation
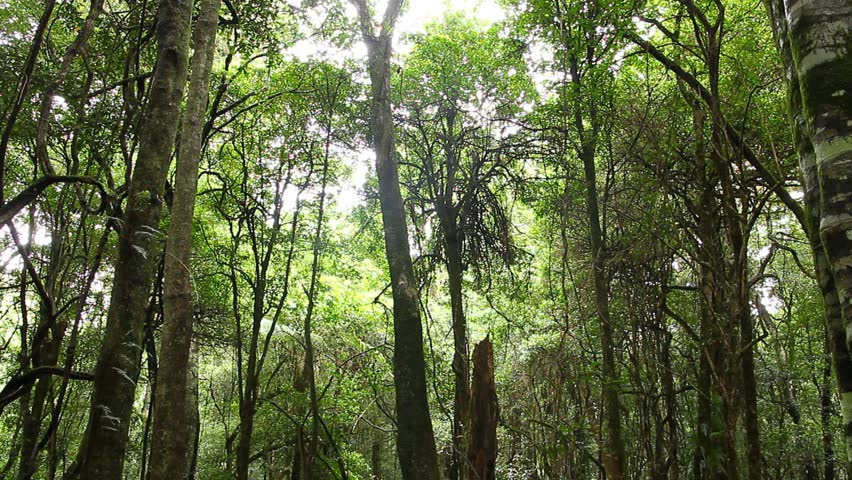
pixel 545 239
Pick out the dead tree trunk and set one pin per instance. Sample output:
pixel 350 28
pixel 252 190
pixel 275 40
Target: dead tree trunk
pixel 484 411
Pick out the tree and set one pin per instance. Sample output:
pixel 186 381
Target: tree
pixel 820 111
pixel 458 162
pixel 609 193
pixel 103 450
pixel 172 431
pixel 415 441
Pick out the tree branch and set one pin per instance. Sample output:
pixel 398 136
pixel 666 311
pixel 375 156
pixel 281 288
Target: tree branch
pixel 774 183
pixel 31 193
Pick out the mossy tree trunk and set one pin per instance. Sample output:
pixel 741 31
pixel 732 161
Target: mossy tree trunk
pixel 171 452
pixel 814 41
pixel 104 446
pixel 415 440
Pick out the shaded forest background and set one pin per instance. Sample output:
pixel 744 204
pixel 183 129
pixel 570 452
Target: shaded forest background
pixel 259 240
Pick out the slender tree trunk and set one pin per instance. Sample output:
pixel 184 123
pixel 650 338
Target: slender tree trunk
pixel 461 365
pixel 415 440
pixel 673 438
pixel 749 382
pixel 194 415
pixel 826 411
pixel 170 450
pixel 376 456
pixel 104 447
pixel 248 399
pixel 709 456
pixel 300 384
pixel 448 217
pixel 311 453
pixel 615 457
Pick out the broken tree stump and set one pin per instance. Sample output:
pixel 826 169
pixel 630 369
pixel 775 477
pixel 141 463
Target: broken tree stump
pixel 484 411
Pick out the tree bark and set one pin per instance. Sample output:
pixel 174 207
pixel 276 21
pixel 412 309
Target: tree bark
pixel 415 440
pixel 104 446
pixel 819 36
pixel 461 365
pixel 615 457
pixel 484 413
pixel 810 93
pixel 170 450
pixel 826 412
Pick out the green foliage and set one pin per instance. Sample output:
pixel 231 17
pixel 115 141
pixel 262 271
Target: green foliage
pixel 491 122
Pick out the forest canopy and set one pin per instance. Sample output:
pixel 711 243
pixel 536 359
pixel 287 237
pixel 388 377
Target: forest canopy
pixel 539 239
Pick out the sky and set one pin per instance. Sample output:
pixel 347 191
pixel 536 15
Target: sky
pixel 415 16
pixel 418 13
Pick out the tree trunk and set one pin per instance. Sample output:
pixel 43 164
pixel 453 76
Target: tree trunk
pixel 461 365
pixel 194 415
pixel 248 404
pixel 104 447
pixel 415 440
pixel 484 413
pixel 615 458
pixel 804 100
pixel 48 355
pixel 376 455
pixel 819 35
pixel 826 411
pixel 170 450
pixel 709 457
pixel 311 453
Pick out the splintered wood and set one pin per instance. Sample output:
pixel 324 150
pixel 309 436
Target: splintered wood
pixel 482 448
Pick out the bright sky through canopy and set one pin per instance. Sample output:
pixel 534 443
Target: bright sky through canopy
pixel 417 13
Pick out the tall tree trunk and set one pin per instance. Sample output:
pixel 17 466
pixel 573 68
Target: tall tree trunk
pixel 461 365
pixel 170 451
pixel 482 448
pixel 311 453
pixel 709 458
pixel 248 398
pixel 415 440
pixel 448 217
pixel 789 46
pixel 104 446
pixel 615 457
pixel 819 36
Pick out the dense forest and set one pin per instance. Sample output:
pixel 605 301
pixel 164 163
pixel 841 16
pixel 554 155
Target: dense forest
pixel 533 239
